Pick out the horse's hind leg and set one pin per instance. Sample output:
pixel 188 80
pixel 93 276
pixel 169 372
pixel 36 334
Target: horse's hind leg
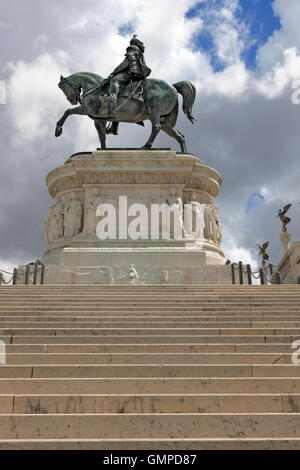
pixel 173 132
pixel 155 120
pixel 168 126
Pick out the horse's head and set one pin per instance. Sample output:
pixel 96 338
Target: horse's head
pixel 70 90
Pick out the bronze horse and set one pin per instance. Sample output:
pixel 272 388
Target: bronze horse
pixel 159 105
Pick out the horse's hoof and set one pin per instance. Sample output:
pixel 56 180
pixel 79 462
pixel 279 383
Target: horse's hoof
pixel 58 131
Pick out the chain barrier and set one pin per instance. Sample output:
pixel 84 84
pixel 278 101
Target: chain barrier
pixel 28 276
pixel 260 274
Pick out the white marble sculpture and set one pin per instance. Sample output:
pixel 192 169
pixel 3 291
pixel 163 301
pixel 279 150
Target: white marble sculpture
pixel 210 229
pixel 56 223
pixel 73 217
pixel 175 201
pixel 218 226
pixel 90 217
pixel 194 219
pixel 132 274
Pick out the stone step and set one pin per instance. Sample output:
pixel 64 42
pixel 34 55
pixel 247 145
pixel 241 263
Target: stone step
pixel 147 339
pixel 150 324
pixel 150 444
pixel 150 358
pixel 148 370
pixel 84 299
pixel 119 324
pixel 150 331
pixel 169 385
pixel 148 308
pixel 175 403
pixel 149 348
pixel 145 426
pixel 161 313
pixel 157 318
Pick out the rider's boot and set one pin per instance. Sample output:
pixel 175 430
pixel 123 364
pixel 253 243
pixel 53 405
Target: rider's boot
pixel 113 93
pixel 112 128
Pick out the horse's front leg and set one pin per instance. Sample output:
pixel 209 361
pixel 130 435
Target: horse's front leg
pixel 101 129
pixel 60 123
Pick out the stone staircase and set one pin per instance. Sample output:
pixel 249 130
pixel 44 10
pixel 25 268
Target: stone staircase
pixel 164 367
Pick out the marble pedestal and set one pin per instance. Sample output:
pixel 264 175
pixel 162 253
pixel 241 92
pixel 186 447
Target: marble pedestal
pixel 75 255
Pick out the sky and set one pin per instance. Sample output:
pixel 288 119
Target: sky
pixel 243 56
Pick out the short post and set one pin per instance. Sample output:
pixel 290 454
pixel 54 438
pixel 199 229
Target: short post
pixel 35 273
pixel 42 273
pixel 249 274
pixel 15 277
pixel 27 273
pixel 278 279
pixel 271 269
pixel 241 272
pixel 262 276
pixel 232 273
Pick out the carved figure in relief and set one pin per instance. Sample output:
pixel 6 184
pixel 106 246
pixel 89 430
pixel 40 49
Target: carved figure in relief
pixel 218 226
pixel 132 274
pixel 57 221
pixel 73 217
pixel 90 218
pixel 175 201
pixel 210 228
pixel 194 219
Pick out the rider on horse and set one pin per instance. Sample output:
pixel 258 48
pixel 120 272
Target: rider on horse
pixel 133 68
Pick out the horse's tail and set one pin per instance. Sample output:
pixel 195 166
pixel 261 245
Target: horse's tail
pixel 188 92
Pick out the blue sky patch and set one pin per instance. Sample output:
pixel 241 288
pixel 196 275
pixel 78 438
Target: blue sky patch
pixel 259 16
pixel 256 15
pixel 254 201
pixel 126 29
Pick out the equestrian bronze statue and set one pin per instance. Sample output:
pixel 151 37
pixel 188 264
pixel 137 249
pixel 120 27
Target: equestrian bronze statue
pixel 127 95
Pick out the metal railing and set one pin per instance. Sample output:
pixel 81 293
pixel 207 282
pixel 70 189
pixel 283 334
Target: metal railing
pixel 261 274
pixel 33 277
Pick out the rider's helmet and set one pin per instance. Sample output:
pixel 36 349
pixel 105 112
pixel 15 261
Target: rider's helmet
pixel 136 42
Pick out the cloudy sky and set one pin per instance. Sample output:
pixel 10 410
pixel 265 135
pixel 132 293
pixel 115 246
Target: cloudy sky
pixel 242 55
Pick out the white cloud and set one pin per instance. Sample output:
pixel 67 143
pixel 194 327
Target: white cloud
pixel 33 95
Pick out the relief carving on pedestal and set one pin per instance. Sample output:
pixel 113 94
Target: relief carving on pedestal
pixel 72 217
pixel 90 215
pixel 54 224
pixel 213 226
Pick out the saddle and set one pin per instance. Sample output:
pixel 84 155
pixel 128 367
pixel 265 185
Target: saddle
pixel 134 88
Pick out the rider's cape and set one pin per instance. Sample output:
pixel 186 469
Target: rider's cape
pixel 126 65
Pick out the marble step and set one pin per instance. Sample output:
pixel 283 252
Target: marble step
pixel 151 323
pixel 150 444
pixel 154 426
pixel 146 339
pixel 149 348
pixel 148 370
pixel 144 312
pixel 167 385
pixel 149 307
pixel 175 403
pixel 255 317
pixel 150 331
pixel 154 299
pixel 150 358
